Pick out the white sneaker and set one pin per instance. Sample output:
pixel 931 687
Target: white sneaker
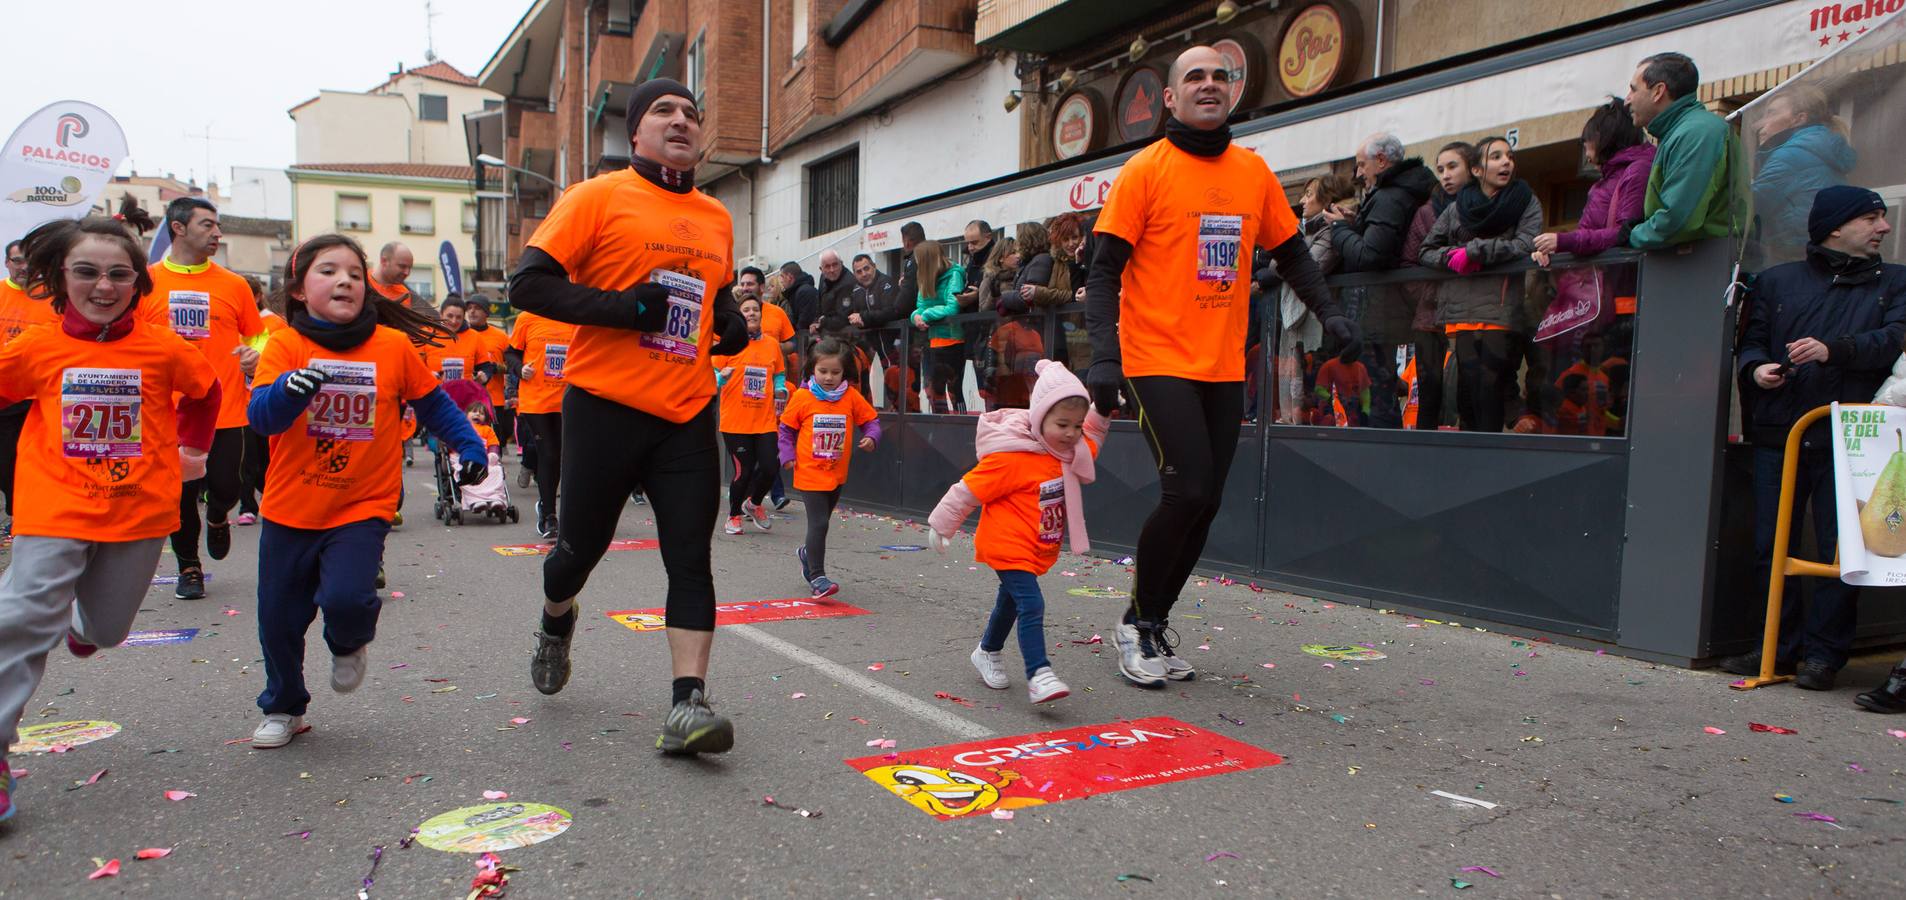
pixel 1176 667
pixel 347 672
pixel 1138 661
pixel 1044 686
pixel 991 670
pixel 276 731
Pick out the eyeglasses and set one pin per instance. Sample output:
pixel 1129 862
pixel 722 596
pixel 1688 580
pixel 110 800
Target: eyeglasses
pixel 120 276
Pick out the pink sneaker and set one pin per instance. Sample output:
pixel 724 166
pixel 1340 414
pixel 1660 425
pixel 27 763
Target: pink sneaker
pixel 79 648
pixel 245 519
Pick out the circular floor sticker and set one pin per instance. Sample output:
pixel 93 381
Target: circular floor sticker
pixel 41 738
pixel 902 548
pixel 1103 593
pixel 493 827
pixel 1351 654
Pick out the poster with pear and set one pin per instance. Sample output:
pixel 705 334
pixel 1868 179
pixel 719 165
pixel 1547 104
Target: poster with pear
pixel 1869 482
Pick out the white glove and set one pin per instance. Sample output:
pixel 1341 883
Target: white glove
pixel 938 541
pixel 191 464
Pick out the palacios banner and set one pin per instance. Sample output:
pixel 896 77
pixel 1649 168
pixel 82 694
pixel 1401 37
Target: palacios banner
pixel 56 164
pixel 1869 486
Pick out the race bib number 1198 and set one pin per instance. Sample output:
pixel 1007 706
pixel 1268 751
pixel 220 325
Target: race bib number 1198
pixel 1220 240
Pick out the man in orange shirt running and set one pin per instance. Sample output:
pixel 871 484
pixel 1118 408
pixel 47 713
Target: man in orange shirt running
pixel 212 308
pixel 642 263
pixel 392 270
pixel 1167 306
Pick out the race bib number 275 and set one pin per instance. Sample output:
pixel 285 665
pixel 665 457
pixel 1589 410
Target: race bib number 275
pixel 99 413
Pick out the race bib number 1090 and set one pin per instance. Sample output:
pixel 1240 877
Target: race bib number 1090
pixel 1220 240
pixel 99 413
pixel 191 314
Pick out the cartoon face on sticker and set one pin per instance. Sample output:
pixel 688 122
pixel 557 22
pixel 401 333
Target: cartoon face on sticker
pixel 1344 654
pixel 942 792
pixel 642 621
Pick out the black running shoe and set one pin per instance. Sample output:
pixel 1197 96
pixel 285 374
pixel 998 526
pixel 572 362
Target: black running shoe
pixel 218 539
pixel 191 585
pixel 549 667
pixel 693 727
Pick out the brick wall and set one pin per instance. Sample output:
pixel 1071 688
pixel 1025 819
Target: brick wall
pixel 799 90
pixel 731 37
pixel 896 29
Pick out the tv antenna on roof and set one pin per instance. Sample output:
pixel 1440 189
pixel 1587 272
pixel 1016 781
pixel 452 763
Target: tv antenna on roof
pixel 430 38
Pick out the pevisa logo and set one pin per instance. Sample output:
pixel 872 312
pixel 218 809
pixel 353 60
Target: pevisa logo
pixel 1111 740
pixel 70 127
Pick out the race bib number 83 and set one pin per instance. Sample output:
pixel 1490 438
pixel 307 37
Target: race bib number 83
pixel 681 337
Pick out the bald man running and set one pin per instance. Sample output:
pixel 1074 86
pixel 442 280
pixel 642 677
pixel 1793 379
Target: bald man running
pixel 1168 309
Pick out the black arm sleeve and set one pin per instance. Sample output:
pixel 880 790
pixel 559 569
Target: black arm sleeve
pixel 731 328
pixel 1304 277
pixel 541 285
pixel 1101 296
pixel 513 361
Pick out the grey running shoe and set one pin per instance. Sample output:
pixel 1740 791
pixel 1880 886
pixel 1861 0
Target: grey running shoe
pixel 1138 658
pixel 1177 668
pixel 549 667
pixel 191 585
pixel 693 727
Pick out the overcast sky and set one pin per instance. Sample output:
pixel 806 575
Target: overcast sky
pixel 169 68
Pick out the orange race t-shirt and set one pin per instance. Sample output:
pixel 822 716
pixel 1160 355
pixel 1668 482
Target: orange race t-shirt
pixel 775 323
pixel 213 309
pixel 825 445
pixel 98 457
pixel 616 231
pixel 545 346
pixel 396 292
pixel 274 323
pixel 1022 518
pixel 1184 306
pixel 493 340
pixel 458 358
pixel 486 434
pixel 340 461
pixel 747 397
pixel 18 312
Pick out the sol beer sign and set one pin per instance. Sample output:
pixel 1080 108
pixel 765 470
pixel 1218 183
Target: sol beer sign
pixel 1317 47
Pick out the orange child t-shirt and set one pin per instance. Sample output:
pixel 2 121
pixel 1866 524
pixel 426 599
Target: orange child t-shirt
pixel 493 340
pixel 213 309
pixel 747 397
pixel 1184 305
pixel 545 344
pixel 457 358
pixel 775 323
pixel 18 312
pixel 339 462
pixel 98 457
pixel 486 434
pixel 825 444
pixel 616 231
pixel 1022 519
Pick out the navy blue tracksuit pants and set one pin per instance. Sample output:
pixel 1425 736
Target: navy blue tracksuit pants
pixel 300 572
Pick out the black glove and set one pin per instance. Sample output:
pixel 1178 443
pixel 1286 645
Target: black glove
pixel 471 472
pixel 651 306
pixel 1103 381
pixel 301 384
pixel 731 333
pixel 1347 333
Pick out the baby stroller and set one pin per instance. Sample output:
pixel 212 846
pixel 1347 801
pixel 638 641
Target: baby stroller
pixel 457 503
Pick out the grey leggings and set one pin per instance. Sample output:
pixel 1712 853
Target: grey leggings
pixel 820 508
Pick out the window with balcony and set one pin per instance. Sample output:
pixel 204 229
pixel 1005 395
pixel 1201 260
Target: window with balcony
pixel 354 212
pixel 833 192
pixel 417 216
pixel 433 107
pixel 693 68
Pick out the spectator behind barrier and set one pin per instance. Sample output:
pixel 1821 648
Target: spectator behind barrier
pixel 1433 368
pixel 800 296
pixel 1823 329
pixel 1327 200
pixel 1394 188
pixel 1803 148
pixel 1691 189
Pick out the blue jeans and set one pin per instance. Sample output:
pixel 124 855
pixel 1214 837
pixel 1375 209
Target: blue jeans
pixel 1019 600
pixel 1824 631
pixel 301 571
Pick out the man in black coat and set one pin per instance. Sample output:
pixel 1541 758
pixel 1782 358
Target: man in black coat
pixel 1372 241
pixel 1823 329
pixel 803 298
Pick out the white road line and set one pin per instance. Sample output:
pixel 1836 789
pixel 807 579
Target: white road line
pixel 913 706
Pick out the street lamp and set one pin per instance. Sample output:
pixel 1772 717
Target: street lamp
pixel 485 159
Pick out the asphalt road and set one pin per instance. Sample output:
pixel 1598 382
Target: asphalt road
pixel 1605 781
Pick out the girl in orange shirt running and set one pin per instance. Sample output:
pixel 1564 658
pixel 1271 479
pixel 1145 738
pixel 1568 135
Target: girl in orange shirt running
pixel 817 443
pixel 102 454
pixel 751 382
pixel 1027 486
pixel 327 392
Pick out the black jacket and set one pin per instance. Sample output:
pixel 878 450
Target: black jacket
pixel 804 302
pixel 871 300
pixel 1856 306
pixel 836 302
pixel 1373 241
pixel 906 296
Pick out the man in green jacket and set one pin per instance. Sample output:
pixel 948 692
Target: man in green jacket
pixel 1691 189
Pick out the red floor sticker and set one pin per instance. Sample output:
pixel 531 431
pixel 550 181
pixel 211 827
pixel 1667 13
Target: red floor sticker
pixel 543 549
pixel 974 779
pixel 745 612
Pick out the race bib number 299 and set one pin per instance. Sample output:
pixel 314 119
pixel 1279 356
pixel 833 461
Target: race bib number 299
pixel 1220 240
pixel 346 407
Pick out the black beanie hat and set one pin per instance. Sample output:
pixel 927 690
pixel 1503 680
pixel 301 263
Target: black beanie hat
pixel 650 91
pixel 1837 205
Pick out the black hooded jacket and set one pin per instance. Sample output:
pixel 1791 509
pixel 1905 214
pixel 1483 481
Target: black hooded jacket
pixel 1373 242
